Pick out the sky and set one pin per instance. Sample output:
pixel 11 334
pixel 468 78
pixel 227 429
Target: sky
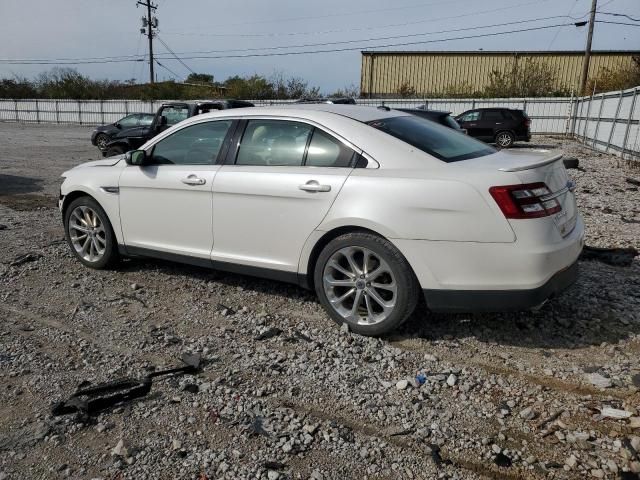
pixel 79 29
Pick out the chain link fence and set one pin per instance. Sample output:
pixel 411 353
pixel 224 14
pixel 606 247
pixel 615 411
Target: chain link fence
pixel 608 122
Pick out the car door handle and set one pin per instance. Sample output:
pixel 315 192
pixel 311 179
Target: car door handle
pixel 313 186
pixel 193 180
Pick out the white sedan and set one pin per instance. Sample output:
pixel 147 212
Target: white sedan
pixel 370 207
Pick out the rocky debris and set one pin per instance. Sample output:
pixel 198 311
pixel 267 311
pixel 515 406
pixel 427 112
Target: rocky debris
pixel 313 401
pixel 25 258
pixel 598 380
pixel 608 412
pixel 618 257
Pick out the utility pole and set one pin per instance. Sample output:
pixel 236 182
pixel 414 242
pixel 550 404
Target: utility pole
pixel 587 50
pixel 150 23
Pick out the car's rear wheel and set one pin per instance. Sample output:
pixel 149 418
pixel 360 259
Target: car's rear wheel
pixel 89 233
pixel 115 150
pixel 363 280
pixel 101 141
pixel 504 139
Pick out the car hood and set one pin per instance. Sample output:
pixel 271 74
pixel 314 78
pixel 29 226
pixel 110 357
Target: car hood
pixel 105 162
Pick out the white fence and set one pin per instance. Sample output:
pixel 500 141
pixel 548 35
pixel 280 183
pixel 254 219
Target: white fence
pixel 608 122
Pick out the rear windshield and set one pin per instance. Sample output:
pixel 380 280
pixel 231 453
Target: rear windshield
pixel 443 143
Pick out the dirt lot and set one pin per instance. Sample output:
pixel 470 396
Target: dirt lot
pixel 506 396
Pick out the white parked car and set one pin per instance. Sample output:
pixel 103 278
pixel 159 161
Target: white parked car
pixel 370 207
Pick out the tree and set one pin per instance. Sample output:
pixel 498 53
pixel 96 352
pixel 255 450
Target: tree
pixel 608 80
pixel 350 91
pixel 406 90
pixel 199 78
pixel 526 78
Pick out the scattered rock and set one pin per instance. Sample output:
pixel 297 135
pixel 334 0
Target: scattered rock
pixel 608 412
pixel 402 384
pixel 598 380
pixel 452 380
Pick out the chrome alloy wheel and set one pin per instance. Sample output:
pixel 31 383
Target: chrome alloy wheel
pixel 360 285
pixel 503 139
pixel 87 233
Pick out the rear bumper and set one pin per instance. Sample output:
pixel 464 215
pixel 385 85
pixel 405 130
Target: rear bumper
pixel 470 301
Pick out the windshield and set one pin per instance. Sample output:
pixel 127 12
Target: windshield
pixel 442 142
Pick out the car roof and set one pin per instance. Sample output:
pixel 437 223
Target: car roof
pixel 359 113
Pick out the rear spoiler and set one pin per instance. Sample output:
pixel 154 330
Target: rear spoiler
pixel 541 163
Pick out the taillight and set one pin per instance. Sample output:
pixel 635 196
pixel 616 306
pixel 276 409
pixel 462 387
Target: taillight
pixel 525 200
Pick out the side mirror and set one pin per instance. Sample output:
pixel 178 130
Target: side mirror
pixel 135 157
pixel 117 125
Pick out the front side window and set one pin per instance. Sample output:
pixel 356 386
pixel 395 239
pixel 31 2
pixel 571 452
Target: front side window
pixel 441 142
pixel 273 142
pixel 326 151
pixel 193 145
pixel 128 121
pixel 470 117
pixel 175 114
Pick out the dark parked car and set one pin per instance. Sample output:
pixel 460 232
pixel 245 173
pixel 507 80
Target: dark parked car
pixel 103 134
pixel 438 116
pixel 167 115
pixel 502 126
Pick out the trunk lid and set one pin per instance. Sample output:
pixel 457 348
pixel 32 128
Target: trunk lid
pixel 539 166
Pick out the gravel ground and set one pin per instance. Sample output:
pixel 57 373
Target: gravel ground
pixel 285 393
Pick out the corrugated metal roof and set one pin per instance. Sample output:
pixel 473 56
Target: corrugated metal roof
pixel 498 52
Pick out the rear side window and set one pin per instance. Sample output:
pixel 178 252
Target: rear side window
pixel 492 116
pixel 273 142
pixel 442 142
pixel 326 151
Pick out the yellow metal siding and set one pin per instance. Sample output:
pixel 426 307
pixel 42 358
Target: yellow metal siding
pixel 434 73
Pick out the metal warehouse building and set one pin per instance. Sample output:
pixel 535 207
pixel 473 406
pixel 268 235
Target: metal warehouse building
pixel 434 73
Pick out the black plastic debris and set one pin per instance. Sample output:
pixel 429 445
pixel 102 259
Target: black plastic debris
pixel 571 162
pixel 256 427
pixel 633 181
pixel 618 257
pixel 191 388
pixel 26 258
pixel 89 400
pixel 502 460
pixel 273 465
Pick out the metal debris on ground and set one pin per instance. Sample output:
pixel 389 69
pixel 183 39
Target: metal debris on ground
pixel 92 400
pixel 26 258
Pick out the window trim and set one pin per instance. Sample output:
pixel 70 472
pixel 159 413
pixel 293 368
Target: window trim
pixel 221 153
pixel 232 154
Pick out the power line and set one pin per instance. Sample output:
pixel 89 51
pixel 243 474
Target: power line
pixel 342 42
pixel 351 49
pixel 354 29
pixel 132 57
pixel 558 30
pixel 619 23
pixel 620 15
pixel 174 54
pixel 167 69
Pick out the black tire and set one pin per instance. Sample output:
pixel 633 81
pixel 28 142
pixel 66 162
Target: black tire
pixel 114 150
pixel 408 288
pixel 101 141
pixel 504 139
pixel 110 255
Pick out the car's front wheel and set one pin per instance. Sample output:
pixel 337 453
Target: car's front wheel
pixel 89 233
pixel 101 141
pixel 504 139
pixel 363 280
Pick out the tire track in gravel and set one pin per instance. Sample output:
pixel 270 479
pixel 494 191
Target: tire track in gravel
pixel 417 345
